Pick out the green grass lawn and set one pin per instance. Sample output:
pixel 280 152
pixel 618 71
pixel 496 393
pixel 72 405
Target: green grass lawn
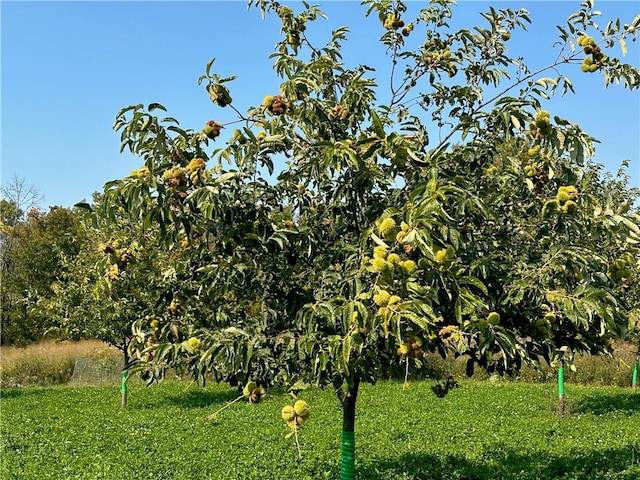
pixel 479 431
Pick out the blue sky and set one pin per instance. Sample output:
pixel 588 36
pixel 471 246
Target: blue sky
pixel 68 67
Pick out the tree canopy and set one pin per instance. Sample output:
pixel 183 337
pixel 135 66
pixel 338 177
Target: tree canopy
pixel 34 255
pixel 438 220
pixel 494 242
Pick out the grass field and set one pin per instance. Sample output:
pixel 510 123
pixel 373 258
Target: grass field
pixel 51 363
pixel 484 430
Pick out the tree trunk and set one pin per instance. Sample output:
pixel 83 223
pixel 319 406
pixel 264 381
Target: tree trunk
pixel 348 401
pixel 125 355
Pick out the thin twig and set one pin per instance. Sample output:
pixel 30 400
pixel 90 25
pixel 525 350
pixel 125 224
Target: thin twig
pixel 214 414
pixel 295 431
pixel 406 374
pixel 500 94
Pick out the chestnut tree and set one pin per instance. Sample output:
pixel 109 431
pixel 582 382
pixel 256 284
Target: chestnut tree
pixel 438 219
pixel 112 281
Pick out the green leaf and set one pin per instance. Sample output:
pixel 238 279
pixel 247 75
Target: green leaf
pixel 378 128
pixel 628 223
pixel 208 67
pixel 623 46
pixel 156 106
pixel 83 206
pixel 378 240
pixel 124 110
pixel 346 349
pixel 236 331
pixel 475 282
pixel 207 269
pixel 225 177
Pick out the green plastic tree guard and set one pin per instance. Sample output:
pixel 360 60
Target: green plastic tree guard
pixel 561 389
pixel 348 465
pixel 123 388
pixel 634 383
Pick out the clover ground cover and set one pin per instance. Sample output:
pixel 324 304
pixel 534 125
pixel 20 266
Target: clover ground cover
pixel 480 431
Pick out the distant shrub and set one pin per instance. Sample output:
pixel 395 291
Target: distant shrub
pixel 590 370
pixel 49 363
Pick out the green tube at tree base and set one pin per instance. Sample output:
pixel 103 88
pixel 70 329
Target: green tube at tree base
pixel 635 373
pixel 125 374
pixel 561 381
pixel 348 464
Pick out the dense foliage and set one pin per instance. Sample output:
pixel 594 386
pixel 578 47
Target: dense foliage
pixel 35 249
pixel 498 242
